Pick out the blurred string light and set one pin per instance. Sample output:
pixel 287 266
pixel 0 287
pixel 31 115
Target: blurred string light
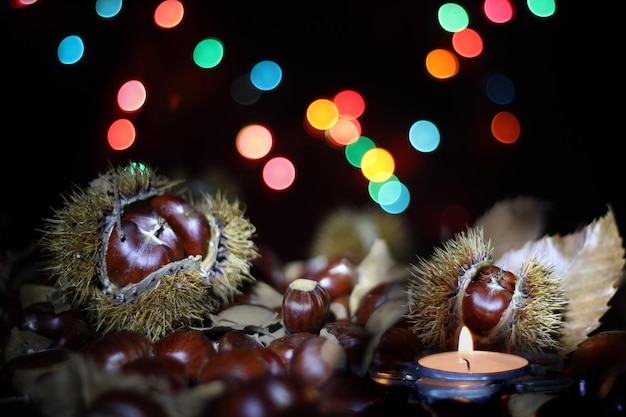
pixel 254 141
pixel 322 114
pixel 108 8
pixel 279 173
pixel 499 88
pixel 121 134
pixel 452 17
pixel 168 14
pixel 266 75
pixel 424 136
pixel 350 104
pixel 354 151
pixel 131 96
pixel 467 43
pixel 505 127
pixel 541 8
pixel 243 92
pixel 442 63
pixel 498 11
pixel 71 49
pixel 208 53
pixel 16 4
pixel 344 131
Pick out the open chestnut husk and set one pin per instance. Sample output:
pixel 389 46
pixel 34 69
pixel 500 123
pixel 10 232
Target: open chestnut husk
pixel 133 251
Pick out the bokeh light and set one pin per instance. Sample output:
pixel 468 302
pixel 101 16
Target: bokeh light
pixel 208 53
pixel 121 134
pixel 322 114
pixel 350 104
pixel 131 96
pixel 498 11
pixel 108 8
pixel 442 63
pixel 354 151
pixel 71 49
pixel 542 8
pixel 169 14
pixel 243 92
pixel 424 136
pixel 505 127
pixel 401 203
pixel 266 75
pixel 254 141
pixel 344 131
pixel 279 173
pixel 467 43
pixel 499 88
pixel 452 17
pixel 378 165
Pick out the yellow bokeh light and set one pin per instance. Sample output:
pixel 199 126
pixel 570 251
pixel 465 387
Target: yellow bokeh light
pixel 378 165
pixel 322 114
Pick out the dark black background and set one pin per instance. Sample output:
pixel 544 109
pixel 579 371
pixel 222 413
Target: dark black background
pixel 566 71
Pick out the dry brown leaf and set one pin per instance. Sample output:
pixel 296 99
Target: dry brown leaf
pixel 511 223
pixel 590 264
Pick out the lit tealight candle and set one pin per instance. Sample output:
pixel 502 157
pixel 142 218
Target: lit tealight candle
pixel 469 364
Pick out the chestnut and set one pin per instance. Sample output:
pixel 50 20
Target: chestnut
pixel 487 299
pixel 269 396
pixel 377 296
pixel 21 372
pixel 188 223
pixel 73 337
pixel 339 276
pixel 395 345
pixel 113 350
pixel 145 244
pixel 41 317
pixel 237 339
pixel 285 345
pixel 234 364
pixel 353 338
pixel 166 367
pixel 317 360
pixel 306 306
pixel 125 403
pixel 189 346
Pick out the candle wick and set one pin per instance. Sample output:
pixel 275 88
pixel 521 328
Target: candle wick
pixel 467 362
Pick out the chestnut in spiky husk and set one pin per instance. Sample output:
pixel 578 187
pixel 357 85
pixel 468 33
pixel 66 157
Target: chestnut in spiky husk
pixel 460 286
pixel 134 253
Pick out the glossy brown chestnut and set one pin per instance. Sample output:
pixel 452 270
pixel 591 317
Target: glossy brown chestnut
pixel 487 299
pixel 236 365
pixel 233 339
pixel 73 337
pixel 188 223
pixel 306 306
pixel 339 276
pixel 125 403
pixel 317 360
pixel 189 346
pixel 285 345
pixel 113 350
pixel 353 338
pixel 270 396
pixel 42 318
pixel 148 243
pixel 377 296
pixel 163 366
pixel 394 345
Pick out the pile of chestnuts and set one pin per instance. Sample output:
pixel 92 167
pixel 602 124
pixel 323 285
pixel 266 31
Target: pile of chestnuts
pixel 315 357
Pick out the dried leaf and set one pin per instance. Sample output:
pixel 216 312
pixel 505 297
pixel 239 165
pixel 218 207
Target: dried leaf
pixel 590 264
pixel 511 223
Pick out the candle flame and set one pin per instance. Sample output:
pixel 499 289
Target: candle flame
pixel 466 344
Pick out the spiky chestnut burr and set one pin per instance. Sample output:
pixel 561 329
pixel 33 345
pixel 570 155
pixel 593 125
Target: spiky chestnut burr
pixel 459 286
pixel 134 254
